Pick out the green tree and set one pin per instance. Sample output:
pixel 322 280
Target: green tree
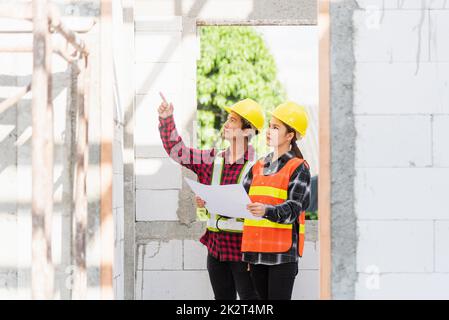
pixel 235 64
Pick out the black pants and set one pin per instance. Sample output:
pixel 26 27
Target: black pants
pixel 274 282
pixel 228 278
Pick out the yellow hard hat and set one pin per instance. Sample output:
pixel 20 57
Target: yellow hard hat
pixel 249 110
pixel 293 115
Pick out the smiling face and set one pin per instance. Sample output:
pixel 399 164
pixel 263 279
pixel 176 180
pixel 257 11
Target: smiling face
pixel 277 134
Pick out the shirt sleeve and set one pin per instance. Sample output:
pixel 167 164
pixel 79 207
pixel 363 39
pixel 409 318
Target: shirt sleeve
pixel 191 158
pixel 298 198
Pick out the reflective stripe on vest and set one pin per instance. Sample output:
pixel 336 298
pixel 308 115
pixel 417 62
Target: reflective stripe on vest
pixel 264 235
pixel 216 222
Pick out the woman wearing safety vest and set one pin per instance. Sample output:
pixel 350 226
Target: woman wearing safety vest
pixel 279 188
pixel 223 237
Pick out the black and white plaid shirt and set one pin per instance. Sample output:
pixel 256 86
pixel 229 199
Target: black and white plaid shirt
pixel 298 199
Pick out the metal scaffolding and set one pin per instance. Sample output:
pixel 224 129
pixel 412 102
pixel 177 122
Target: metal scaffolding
pixel 47 21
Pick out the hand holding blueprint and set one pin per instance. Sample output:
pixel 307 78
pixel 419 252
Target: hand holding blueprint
pixel 228 200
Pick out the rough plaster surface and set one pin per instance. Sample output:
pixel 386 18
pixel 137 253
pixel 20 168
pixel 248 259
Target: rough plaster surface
pixel 343 219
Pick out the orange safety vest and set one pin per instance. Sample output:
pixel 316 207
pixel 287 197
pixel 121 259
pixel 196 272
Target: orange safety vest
pixel 263 235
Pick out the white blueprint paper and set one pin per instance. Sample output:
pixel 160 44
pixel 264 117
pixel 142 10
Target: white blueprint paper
pixel 228 200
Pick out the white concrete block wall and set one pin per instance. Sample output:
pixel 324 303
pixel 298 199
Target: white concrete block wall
pixel 401 88
pixel 177 269
pixel 441 241
pixel 401 106
pixel 118 210
pixel 158 68
pixel 440 134
pixel 403 4
pixel 381 144
pixel 380 37
pixel 118 155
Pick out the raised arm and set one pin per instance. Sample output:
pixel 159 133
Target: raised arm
pixel 191 158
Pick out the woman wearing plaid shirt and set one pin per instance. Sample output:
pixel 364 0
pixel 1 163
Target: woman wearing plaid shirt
pixel 227 273
pixel 279 187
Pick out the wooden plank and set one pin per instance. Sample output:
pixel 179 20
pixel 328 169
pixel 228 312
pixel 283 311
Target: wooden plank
pixel 324 182
pixel 107 136
pixel 42 273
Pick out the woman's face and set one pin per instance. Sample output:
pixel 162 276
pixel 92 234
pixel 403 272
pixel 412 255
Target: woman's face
pixel 277 133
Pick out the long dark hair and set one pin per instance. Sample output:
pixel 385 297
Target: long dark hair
pixel 295 147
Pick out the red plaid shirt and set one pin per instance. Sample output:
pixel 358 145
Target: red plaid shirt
pixel 225 246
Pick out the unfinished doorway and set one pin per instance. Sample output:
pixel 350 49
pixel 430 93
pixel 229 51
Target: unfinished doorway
pixel 167 252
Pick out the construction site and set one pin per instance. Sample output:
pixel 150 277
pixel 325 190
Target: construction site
pixel 92 207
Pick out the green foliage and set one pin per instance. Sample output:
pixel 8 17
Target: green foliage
pixel 311 215
pixel 235 64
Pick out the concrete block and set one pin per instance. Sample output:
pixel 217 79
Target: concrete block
pixel 377 4
pixel 8 177
pixel 391 35
pixel 160 255
pixel 195 255
pixel 156 77
pixel 413 4
pixel 406 194
pixel 440 143
pixel 8 284
pixel 237 10
pixel 119 288
pixel 311 256
pixel 150 151
pixel 401 88
pixel 441 241
pixel 379 143
pixel 175 285
pixel 165 46
pixel 118 259
pixel 120 221
pixel 138 286
pixel 158 23
pixel 423 4
pixel 307 285
pixel 8 239
pixel 117 157
pixel 395 246
pixel 437 4
pixel 408 286
pixel 439 44
pixel 118 183
pixel 156 205
pixel 157 173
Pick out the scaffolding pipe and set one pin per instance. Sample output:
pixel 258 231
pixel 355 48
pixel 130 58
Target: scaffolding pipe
pixel 42 273
pixel 23 12
pixel 5 105
pixel 69 35
pixel 79 289
pixel 45 20
pixel 107 135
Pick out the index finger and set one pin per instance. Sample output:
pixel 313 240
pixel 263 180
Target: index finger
pixel 163 98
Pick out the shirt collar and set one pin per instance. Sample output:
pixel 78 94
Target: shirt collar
pixel 282 159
